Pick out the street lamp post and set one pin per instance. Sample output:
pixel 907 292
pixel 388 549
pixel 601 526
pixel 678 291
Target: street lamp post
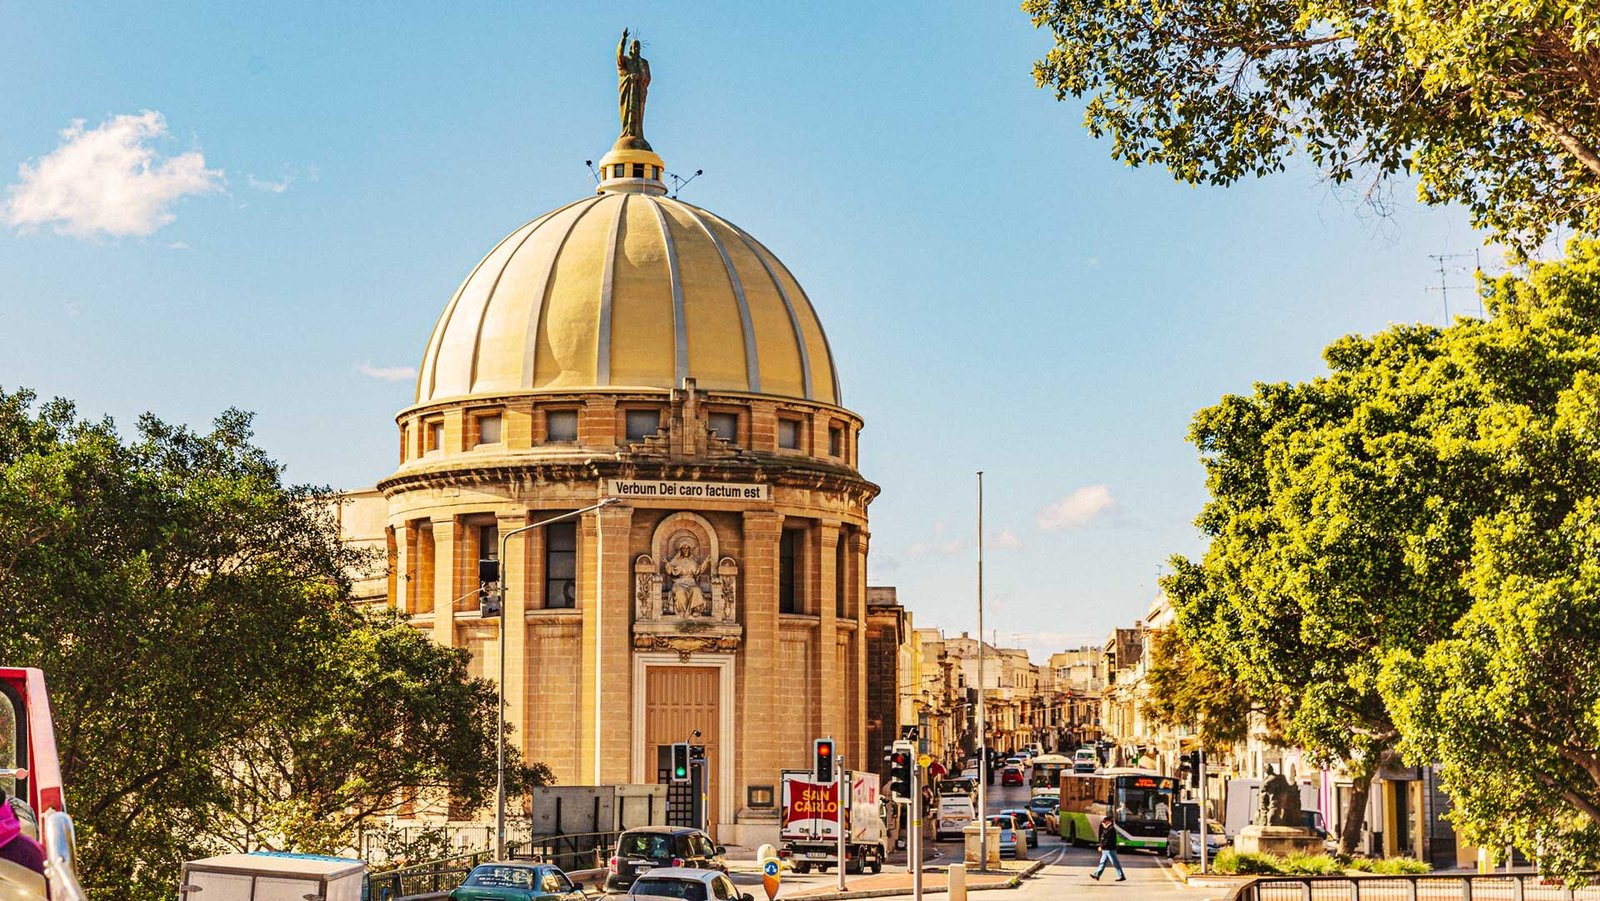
pixel 500 720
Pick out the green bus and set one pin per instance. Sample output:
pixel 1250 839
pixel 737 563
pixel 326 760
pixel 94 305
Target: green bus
pixel 1140 802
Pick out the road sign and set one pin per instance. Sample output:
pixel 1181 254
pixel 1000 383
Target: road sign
pixel 924 760
pixel 770 868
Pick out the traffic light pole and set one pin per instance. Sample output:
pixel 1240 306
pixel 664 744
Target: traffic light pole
pixel 840 779
pixel 916 832
pixel 1205 824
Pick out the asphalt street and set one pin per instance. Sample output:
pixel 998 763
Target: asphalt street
pixel 1065 874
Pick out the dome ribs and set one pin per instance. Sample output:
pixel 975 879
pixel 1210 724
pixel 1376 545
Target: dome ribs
pixel 536 309
pixel 751 360
pixel 602 356
pixel 483 315
pixel 680 327
pixel 761 255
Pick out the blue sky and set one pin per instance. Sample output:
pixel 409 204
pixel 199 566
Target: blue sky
pixel 999 293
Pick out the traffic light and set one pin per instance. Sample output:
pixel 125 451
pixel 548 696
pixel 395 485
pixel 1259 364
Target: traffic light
pixel 822 771
pixel 900 760
pixel 488 588
pixel 680 763
pixel 1191 762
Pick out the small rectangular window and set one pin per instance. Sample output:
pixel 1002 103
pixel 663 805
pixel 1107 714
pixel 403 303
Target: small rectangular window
pixel 655 172
pixel 725 426
pixel 489 428
pixel 789 434
pixel 561 565
pixel 835 441
pixel 435 432
pixel 638 170
pixel 561 426
pixel 641 424
pixel 789 571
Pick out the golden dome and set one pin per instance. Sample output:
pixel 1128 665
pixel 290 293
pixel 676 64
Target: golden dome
pixel 628 289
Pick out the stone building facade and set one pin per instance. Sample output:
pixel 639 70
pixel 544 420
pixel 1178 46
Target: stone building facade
pixel 634 347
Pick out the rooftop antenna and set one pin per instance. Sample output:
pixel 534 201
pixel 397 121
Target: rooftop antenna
pixel 590 164
pixel 1445 288
pixel 678 183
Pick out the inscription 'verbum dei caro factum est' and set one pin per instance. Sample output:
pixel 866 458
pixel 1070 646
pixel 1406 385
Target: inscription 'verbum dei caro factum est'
pixel 648 488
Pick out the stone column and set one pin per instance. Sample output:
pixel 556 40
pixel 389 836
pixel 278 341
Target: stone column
pixel 759 695
pixel 831 694
pixel 445 540
pixel 514 619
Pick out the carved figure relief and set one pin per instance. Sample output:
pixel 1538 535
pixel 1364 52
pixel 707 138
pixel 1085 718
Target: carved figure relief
pixel 685 591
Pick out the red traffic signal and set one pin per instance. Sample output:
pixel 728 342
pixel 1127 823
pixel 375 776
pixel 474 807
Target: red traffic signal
pixel 822 770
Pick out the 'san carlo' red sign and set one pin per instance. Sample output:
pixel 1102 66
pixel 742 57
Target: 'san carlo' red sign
pixel 1148 782
pixel 812 801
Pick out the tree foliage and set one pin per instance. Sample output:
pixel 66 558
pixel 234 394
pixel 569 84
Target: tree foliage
pixel 1509 703
pixel 1494 104
pixel 1408 534
pixel 211 683
pixel 1188 693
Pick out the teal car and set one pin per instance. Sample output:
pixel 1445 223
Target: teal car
pixel 514 881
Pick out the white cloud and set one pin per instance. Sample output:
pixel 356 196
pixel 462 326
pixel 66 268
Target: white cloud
pixel 386 373
pixel 1007 539
pixel 933 548
pixel 179 245
pixel 271 187
pixel 106 180
pixel 1076 509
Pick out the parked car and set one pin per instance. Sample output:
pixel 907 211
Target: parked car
pixel 1027 823
pixel 1047 809
pixel 684 884
pixel 1216 840
pixel 648 848
pixel 516 881
pixel 1008 833
pixel 1012 775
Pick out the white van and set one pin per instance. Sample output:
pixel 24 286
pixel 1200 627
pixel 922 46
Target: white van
pixel 955 812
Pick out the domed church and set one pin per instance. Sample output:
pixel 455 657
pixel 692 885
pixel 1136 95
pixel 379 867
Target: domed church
pixel 632 349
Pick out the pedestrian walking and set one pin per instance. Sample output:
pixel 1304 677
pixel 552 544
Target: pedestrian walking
pixel 1108 850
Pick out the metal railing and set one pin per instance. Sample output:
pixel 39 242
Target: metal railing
pixel 582 855
pixel 570 851
pixel 1420 887
pixel 434 876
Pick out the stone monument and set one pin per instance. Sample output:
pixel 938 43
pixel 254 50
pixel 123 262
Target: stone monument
pixel 1278 826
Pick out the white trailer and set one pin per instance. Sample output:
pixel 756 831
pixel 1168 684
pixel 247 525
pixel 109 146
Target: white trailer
pixel 810 832
pixel 266 876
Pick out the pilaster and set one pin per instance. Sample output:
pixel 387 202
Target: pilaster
pixel 759 753
pixel 445 540
pixel 606 618
pixel 513 619
pixel 831 694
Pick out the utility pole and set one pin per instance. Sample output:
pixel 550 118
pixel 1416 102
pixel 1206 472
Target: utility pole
pixel 983 742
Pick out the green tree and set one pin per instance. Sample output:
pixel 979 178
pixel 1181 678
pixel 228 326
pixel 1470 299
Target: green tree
pixel 1339 520
pixel 189 608
pixel 1188 693
pixel 1494 104
pixel 1509 704
pixel 1383 537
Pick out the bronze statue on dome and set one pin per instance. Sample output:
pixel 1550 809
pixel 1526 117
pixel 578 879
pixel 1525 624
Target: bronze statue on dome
pixel 633 83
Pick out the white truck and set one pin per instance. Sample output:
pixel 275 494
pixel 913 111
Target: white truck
pixel 810 832
pixel 267 876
